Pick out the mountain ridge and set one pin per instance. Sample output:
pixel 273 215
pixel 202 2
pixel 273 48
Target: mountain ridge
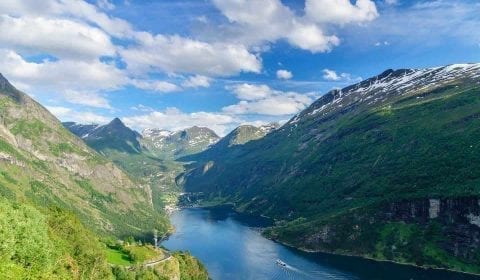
pixel 59 169
pixel 339 175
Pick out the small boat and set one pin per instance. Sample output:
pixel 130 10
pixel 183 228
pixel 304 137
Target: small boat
pixel 280 263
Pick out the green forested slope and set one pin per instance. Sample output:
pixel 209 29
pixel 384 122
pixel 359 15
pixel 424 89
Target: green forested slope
pixel 401 137
pixel 44 163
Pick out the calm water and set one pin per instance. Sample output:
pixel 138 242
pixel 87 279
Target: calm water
pixel 232 248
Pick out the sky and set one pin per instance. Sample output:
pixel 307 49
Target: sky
pixel 173 64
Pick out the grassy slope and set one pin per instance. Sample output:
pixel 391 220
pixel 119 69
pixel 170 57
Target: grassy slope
pixel 409 148
pixel 44 163
pixel 47 243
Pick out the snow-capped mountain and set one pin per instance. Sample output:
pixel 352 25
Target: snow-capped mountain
pixel 390 84
pixel 178 143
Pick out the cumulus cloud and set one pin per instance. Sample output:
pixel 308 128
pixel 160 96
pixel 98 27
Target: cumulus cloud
pixel 184 55
pixel 340 11
pixel 413 24
pixel 105 4
pixel 75 75
pixel 154 85
pixel 91 99
pixel 271 22
pixel 174 119
pixel 262 100
pixel 74 9
pixel 284 74
pixel 331 75
pixel 252 25
pixel 68 114
pixel 58 37
pixel 391 2
pixel 197 81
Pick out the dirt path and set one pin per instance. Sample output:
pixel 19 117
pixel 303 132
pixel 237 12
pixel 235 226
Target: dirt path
pixel 153 263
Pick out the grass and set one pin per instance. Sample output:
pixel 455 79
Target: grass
pixel 142 254
pixel 118 257
pixel 29 129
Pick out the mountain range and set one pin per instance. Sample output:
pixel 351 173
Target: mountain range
pixel 43 162
pixel 385 169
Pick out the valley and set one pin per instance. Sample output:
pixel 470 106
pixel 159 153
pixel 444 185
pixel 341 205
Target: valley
pixel 382 170
pixel 239 139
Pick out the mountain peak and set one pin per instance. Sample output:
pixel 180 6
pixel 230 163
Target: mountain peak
pixel 389 84
pixel 3 81
pixel 8 89
pixel 5 84
pixel 116 122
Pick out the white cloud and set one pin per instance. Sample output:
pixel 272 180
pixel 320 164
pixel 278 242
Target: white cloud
pixel 91 99
pixel 284 74
pixel 142 108
pixel 422 23
pixel 340 11
pixel 175 54
pixel 58 37
pixel 197 81
pixel 60 75
pixel 68 114
pixel 251 92
pixel 174 119
pixel 155 85
pixel 252 25
pixel 72 9
pixel 384 43
pixel 262 100
pixel 391 2
pixel 105 4
pixel 331 75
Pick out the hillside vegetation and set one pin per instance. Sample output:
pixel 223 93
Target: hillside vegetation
pixel 375 169
pixel 61 201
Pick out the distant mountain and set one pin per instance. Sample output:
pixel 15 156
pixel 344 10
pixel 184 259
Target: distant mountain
pixel 43 163
pixel 112 136
pixel 175 144
pixel 81 130
pixel 239 136
pixel 247 133
pixel 386 168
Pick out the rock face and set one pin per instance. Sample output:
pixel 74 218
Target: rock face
pixel 454 231
pixel 43 162
pixel 458 218
pixel 408 137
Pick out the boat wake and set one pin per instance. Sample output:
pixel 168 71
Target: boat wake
pixel 290 272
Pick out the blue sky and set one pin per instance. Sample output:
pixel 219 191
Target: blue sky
pixel 218 63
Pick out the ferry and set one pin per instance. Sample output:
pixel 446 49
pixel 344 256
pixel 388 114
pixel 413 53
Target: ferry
pixel 280 263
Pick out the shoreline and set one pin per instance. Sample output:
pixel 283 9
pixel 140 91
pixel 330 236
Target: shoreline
pixel 305 250
pixel 310 251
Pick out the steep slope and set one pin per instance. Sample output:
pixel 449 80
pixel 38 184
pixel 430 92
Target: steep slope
pixel 45 164
pixel 386 168
pixel 246 133
pixel 81 130
pixel 128 150
pixel 113 136
pixel 167 144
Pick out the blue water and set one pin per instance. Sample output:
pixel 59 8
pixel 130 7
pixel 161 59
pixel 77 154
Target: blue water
pixel 231 247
